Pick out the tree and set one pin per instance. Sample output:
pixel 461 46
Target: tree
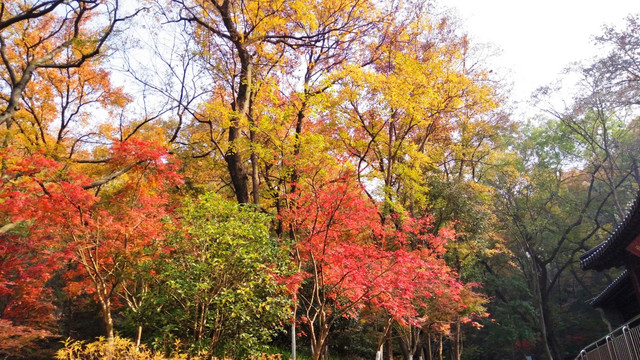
pixel 550 212
pixel 255 51
pixel 220 285
pixel 618 72
pixel 302 108
pixel 585 157
pixel 236 31
pixel 349 261
pixel 97 239
pixel 18 341
pixel 398 114
pixel 27 264
pixel 419 125
pixel 58 107
pixel 49 35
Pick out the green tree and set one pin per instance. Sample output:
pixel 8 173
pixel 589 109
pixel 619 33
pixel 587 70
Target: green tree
pixel 549 208
pixel 219 287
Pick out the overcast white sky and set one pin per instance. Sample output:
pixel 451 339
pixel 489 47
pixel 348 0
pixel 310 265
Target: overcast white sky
pixel 539 38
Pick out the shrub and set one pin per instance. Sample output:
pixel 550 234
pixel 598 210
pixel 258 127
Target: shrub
pixel 120 349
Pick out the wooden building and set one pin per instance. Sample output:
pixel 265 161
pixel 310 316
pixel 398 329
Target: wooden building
pixel 620 300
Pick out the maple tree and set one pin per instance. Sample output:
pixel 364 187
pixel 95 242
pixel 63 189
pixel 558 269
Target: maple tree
pixel 19 340
pixel 26 264
pixel 65 223
pixel 64 123
pixel 350 261
pixel 413 120
pixel 51 66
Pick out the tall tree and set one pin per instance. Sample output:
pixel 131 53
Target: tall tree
pixel 551 211
pixel 235 30
pixel 49 35
pixel 255 52
pixel 418 118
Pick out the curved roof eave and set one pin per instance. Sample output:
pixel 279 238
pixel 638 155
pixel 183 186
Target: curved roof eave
pixel 610 252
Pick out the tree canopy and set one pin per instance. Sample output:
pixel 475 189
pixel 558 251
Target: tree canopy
pixel 205 176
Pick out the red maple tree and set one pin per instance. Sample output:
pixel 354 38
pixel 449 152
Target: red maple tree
pixel 94 229
pixel 350 261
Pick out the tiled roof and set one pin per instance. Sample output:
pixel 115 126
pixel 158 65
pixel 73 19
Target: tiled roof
pixel 610 253
pixel 621 284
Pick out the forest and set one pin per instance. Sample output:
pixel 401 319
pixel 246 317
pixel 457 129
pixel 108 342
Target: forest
pixel 305 179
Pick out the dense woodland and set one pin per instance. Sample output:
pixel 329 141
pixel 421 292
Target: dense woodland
pixel 205 178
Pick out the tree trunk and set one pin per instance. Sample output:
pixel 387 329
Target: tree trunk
pixel 297 145
pixel 240 106
pixel 540 277
pixel 236 169
pixel 426 349
pixel 456 350
pixel 255 180
pixel 405 350
pixel 385 337
pixel 108 321
pixel 318 345
pixel 389 353
pixel 551 339
pixel 293 337
pixel 105 303
pixel 138 337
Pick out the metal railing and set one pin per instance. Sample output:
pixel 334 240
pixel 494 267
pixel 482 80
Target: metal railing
pixel 621 344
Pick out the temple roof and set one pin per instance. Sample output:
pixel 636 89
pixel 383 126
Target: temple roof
pixel 620 287
pixel 611 252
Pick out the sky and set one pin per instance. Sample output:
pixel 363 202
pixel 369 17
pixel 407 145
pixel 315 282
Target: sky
pixel 536 40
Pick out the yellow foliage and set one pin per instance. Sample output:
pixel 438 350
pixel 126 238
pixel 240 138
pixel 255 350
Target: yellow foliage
pixel 119 349
pixel 125 349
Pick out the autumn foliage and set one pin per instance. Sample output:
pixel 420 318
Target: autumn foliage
pixel 350 260
pixel 326 121
pixel 60 227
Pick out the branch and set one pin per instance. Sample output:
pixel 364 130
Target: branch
pixel 32 13
pixel 111 176
pixel 569 229
pixel 48 60
pixel 8 227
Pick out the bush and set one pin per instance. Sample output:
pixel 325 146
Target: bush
pixel 120 349
pixel 125 349
pixel 22 341
pixel 218 289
